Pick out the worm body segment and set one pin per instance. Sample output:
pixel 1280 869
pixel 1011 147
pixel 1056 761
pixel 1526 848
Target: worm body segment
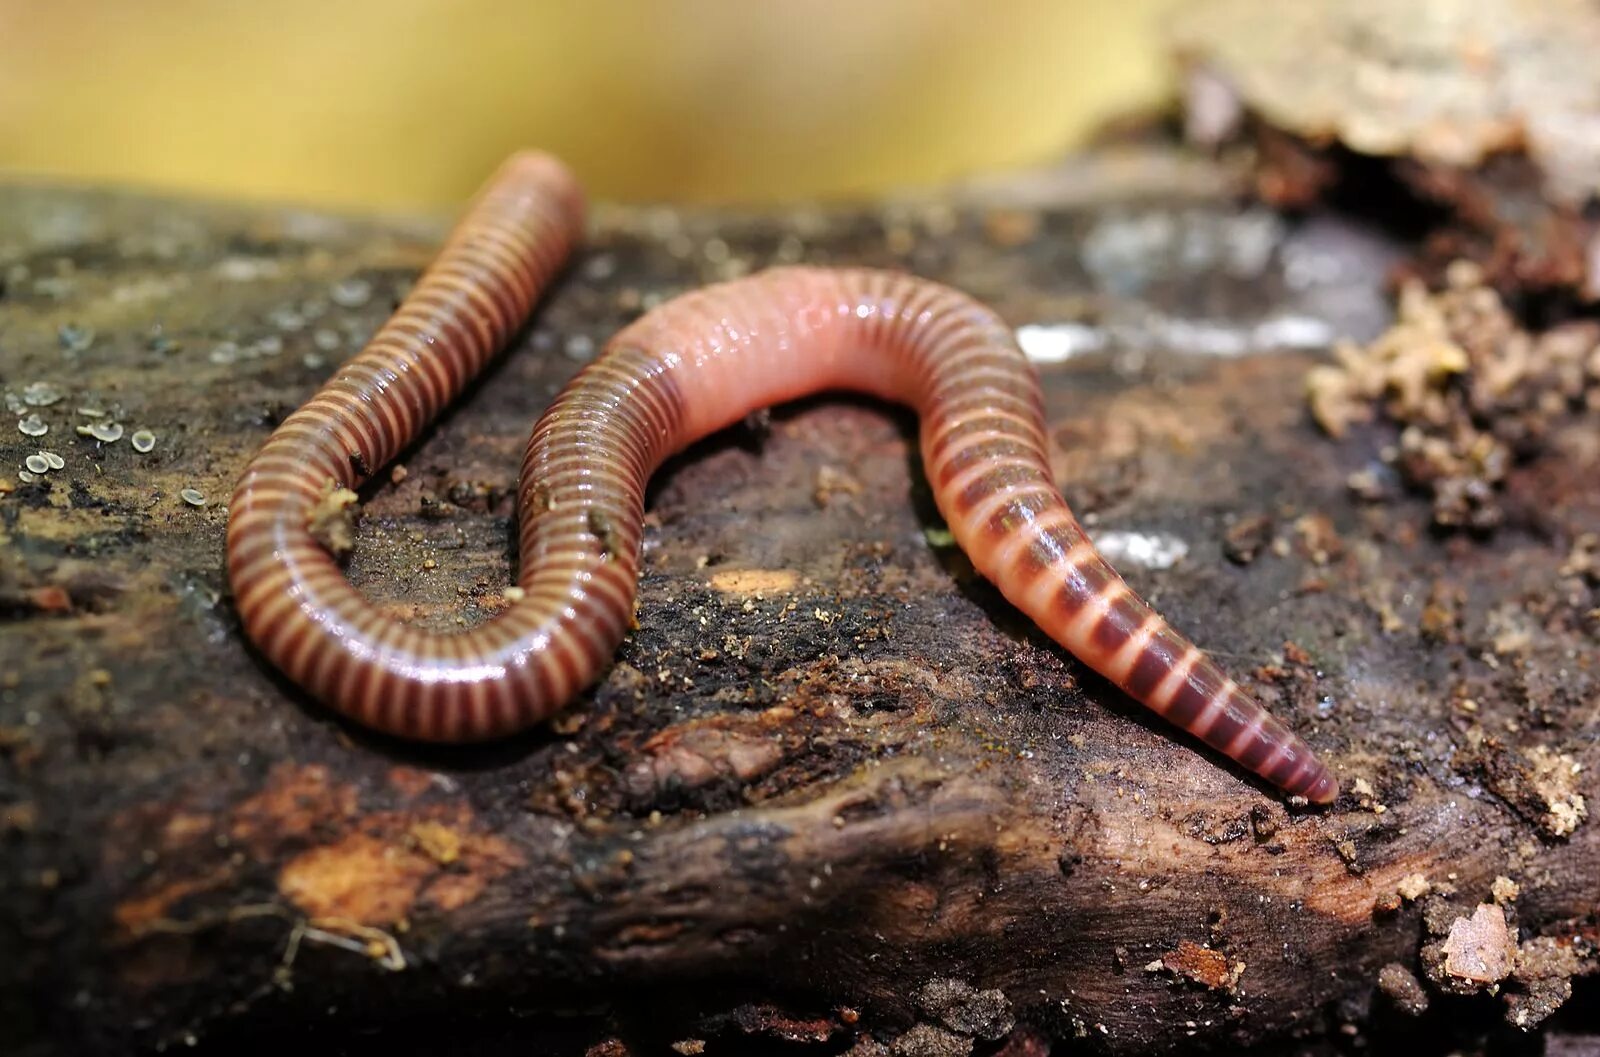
pixel 682 371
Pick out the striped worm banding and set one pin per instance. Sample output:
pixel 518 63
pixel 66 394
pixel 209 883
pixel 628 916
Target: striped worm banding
pixel 684 370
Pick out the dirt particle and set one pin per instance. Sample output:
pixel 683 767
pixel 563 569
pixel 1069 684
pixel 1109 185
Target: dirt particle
pixel 1540 784
pixel 965 1010
pixel 1413 887
pixel 1402 987
pixel 925 1040
pixel 831 482
pixel 1246 538
pixel 332 520
pixel 1542 980
pixel 1319 540
pixel 1480 949
pixel 1205 966
pixel 1262 823
pixel 1469 388
pixel 437 841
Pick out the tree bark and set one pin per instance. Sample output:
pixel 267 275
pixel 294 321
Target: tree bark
pixel 834 792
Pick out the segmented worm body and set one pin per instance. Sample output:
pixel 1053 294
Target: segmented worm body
pixel 682 371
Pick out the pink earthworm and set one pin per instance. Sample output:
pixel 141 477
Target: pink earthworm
pixel 682 371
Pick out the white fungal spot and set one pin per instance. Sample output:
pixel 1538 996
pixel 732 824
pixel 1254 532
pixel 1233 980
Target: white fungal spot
pixel 193 497
pixel 1059 342
pixel 33 426
pixel 1150 550
pixel 54 461
pixel 142 441
pixel 36 464
pixel 105 432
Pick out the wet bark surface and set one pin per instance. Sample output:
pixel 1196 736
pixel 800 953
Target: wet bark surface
pixel 834 795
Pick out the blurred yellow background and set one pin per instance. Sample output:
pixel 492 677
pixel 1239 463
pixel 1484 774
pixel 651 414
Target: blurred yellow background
pixel 409 103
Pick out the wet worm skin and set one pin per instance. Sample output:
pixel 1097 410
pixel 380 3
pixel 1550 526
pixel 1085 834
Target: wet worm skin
pixel 690 367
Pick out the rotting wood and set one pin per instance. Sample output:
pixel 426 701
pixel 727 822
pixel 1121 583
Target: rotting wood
pixel 833 789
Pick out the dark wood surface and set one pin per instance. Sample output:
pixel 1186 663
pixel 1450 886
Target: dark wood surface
pixel 834 792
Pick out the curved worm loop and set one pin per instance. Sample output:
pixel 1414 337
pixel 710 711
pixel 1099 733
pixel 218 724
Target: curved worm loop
pixel 686 369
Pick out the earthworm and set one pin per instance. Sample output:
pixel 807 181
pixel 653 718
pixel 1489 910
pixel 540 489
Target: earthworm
pixel 680 372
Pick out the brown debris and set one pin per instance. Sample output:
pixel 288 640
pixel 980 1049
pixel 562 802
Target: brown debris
pixel 1480 950
pixel 965 1010
pixel 1471 390
pixel 1413 887
pixel 1319 540
pixel 1540 784
pixel 833 482
pixel 1246 538
pixel 1584 560
pixel 1441 613
pixel 1403 989
pixel 332 521
pixel 437 841
pixel 925 1040
pixel 1409 889
pixel 50 599
pixel 698 752
pixel 1204 965
pixel 1542 982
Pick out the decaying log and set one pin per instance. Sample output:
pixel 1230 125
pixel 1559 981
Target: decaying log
pixel 834 795
pixel 1481 112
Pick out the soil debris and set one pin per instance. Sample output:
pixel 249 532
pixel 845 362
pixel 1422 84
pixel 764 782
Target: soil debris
pixel 332 522
pixel 1479 951
pixel 1203 965
pixel 1539 784
pixel 965 1010
pixel 1403 989
pixel 1471 390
